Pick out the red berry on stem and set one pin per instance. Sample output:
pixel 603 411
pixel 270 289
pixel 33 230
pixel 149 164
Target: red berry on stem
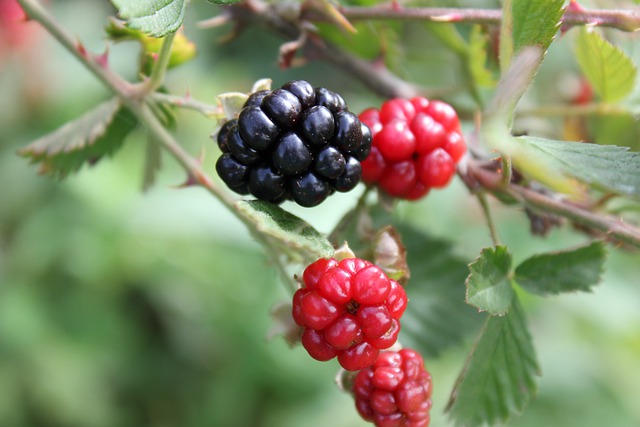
pixel 445 114
pixel 344 332
pixel 371 286
pixel 316 270
pixel 317 311
pixel 429 133
pixel 395 390
pixel 406 132
pixel 351 307
pixel 358 356
pixel 399 178
pixel 397 108
pixel 395 141
pixel 436 168
pixel 373 166
pixel 335 285
pixel 420 104
pixel 375 320
pixel 317 346
pixel 455 146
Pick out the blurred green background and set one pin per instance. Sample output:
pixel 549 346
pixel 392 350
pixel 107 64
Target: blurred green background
pixel 119 308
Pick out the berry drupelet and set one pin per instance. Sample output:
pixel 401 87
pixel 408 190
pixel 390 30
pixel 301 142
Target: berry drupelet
pixel 395 390
pixel 416 146
pixel 349 310
pixel 295 143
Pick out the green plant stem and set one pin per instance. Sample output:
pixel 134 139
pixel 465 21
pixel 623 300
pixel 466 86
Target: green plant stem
pixel 186 102
pixel 486 209
pixel 613 228
pixel 115 83
pixel 349 217
pixel 162 62
pixel 624 20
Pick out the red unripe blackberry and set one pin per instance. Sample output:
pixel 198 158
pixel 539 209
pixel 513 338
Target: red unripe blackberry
pixel 395 390
pixel 302 139
pixel 349 310
pixel 416 146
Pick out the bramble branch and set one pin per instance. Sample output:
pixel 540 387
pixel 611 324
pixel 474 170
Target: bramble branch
pixel 612 228
pixel 377 77
pixel 624 20
pixel 129 95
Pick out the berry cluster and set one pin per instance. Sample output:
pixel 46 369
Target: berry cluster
pixel 416 145
pixel 395 390
pixel 294 143
pixel 349 309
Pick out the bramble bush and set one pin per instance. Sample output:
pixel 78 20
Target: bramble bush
pixel 454 102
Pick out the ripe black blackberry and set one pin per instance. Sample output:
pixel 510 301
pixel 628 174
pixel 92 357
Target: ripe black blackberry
pixel 295 143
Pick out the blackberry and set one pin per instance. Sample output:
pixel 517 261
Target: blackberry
pixel 318 125
pixel 295 143
pixel 291 156
pixel 330 163
pixel 282 107
pixel 242 152
pixel 223 133
pixel 257 129
pixel 233 173
pixel 303 90
pixel 266 184
pixel 309 190
pixel 255 99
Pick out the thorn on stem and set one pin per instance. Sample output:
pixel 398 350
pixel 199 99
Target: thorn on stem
pixel 82 50
pixel 103 59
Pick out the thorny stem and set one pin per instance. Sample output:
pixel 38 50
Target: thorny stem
pixel 187 102
pixel 115 83
pixel 383 83
pixel 613 228
pixel 624 20
pixel 190 164
pixel 145 115
pixel 377 77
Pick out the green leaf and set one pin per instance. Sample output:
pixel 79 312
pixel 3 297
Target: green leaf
pixel 224 1
pixel 535 22
pixel 511 87
pixel 607 167
pixel 477 57
pixel 437 317
pixel 182 49
pixel 609 70
pixel 497 380
pixel 157 18
pixel 619 128
pixel 488 284
pixel 285 227
pixel 86 139
pixel 565 271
